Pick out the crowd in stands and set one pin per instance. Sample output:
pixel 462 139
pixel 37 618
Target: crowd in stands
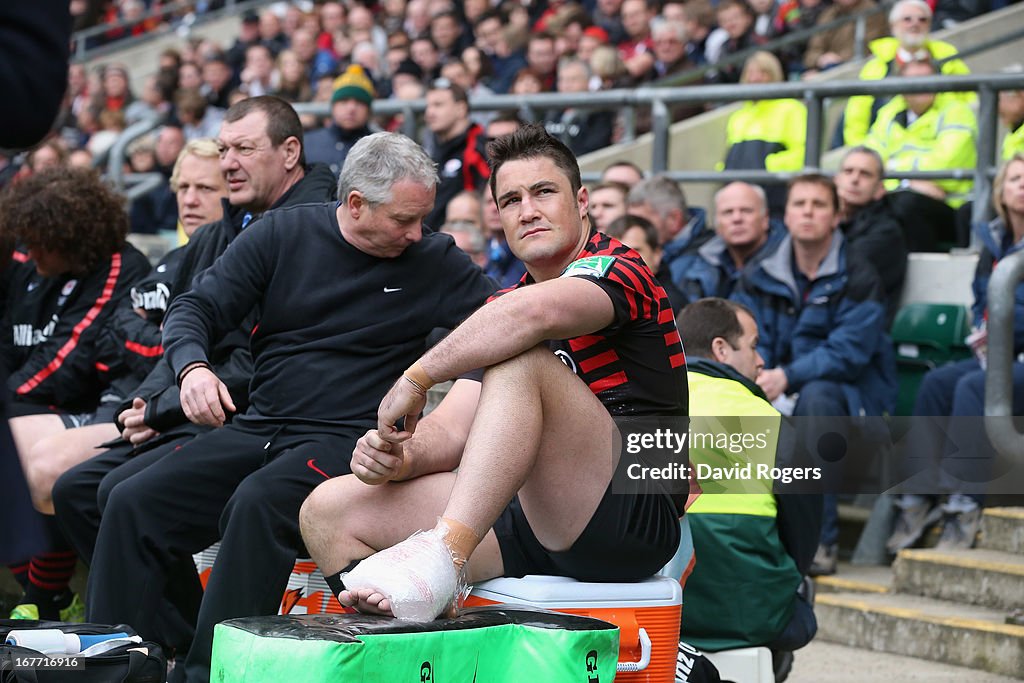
pixel 804 278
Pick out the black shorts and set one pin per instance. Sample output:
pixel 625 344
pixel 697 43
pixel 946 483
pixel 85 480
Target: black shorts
pixel 630 537
pixel 103 414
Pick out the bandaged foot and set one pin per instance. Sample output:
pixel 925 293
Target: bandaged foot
pixel 423 576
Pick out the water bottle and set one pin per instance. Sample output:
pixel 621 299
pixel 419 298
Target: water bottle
pixel 52 641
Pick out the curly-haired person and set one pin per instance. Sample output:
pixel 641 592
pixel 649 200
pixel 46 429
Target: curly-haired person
pixel 69 269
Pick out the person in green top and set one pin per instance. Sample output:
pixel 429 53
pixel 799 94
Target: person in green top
pixel 753 548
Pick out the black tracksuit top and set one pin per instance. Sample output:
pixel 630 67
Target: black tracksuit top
pixel 336 326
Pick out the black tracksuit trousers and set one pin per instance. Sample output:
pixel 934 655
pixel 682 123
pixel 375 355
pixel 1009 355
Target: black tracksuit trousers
pixel 242 484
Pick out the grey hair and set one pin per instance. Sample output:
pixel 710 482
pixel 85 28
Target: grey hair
pixel 661 193
pixel 758 190
pixel 897 10
pixel 864 149
pixel 661 25
pixel 378 161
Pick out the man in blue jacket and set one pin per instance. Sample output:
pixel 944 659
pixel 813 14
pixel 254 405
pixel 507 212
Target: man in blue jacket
pixel 822 318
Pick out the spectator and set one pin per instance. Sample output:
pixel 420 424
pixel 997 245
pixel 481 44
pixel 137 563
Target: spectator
pixel 198 118
pixel 822 321
pixel 669 43
pixel 142 155
pixel 293 85
pixel 456 71
pixel 743 235
pixel 333 19
pixel 909 23
pixel 51 153
pixel 503 124
pixel 927 132
pixel 768 135
pixel 592 38
pixel 425 54
pixel 699 21
pixel 625 172
pixel 958 390
pixel 458 148
pixel 257 75
pixel 581 130
pixel 608 202
pixel 834 46
pixel 681 230
pixel 465 207
pixel 502 265
pixel 1011 115
pixel 492 39
pixel 637 50
pixel 153 103
pixel 873 234
pixel 71 269
pixel 190 76
pixel 736 18
pixel 542 59
pixel 755 548
pixel 608 15
pixel 640 235
pixel 248 35
pixel 115 93
pixel 469 238
pixel 271 34
pixel 797 15
pixel 350 120
pixel 448 35
pixel 218 81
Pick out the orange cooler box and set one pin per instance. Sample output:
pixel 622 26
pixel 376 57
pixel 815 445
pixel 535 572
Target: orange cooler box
pixel 646 612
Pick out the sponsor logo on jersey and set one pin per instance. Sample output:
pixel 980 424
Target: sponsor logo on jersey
pixel 594 266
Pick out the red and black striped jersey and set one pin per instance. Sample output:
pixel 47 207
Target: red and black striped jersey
pixel 635 366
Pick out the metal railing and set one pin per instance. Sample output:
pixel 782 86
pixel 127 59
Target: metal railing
pixel 174 15
pixel 1002 287
pixel 812 93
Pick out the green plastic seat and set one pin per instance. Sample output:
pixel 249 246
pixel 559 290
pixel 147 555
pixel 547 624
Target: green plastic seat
pixel 926 336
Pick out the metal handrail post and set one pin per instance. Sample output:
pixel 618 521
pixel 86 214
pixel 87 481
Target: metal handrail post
pixel 815 113
pixel 986 149
pixel 117 155
pixel 860 30
pixel 1002 286
pixel 660 121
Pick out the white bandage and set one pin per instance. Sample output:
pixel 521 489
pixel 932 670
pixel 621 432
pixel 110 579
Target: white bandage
pixel 417 576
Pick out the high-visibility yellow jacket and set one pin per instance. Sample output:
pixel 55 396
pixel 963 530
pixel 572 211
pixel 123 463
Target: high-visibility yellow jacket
pixel 1013 142
pixel 767 134
pixel 944 137
pixel 862 110
pixel 743 587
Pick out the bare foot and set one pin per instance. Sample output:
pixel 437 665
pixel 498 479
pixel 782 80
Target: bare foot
pixel 367 601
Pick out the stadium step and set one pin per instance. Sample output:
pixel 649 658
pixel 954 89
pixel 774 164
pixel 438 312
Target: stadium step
pixel 1003 529
pixel 987 578
pixel 925 628
pixel 944 606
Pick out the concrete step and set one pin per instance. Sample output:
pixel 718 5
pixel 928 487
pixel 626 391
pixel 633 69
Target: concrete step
pixel 989 578
pixel 924 628
pixel 1003 529
pixel 852 578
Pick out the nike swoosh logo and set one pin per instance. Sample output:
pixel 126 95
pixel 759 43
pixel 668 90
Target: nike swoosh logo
pixel 388 290
pixel 33 285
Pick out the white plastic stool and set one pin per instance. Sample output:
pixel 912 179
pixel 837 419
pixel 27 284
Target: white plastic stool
pixel 745 665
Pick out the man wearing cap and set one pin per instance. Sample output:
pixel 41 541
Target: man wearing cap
pixel 350 116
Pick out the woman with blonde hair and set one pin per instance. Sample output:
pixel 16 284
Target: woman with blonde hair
pixel 766 135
